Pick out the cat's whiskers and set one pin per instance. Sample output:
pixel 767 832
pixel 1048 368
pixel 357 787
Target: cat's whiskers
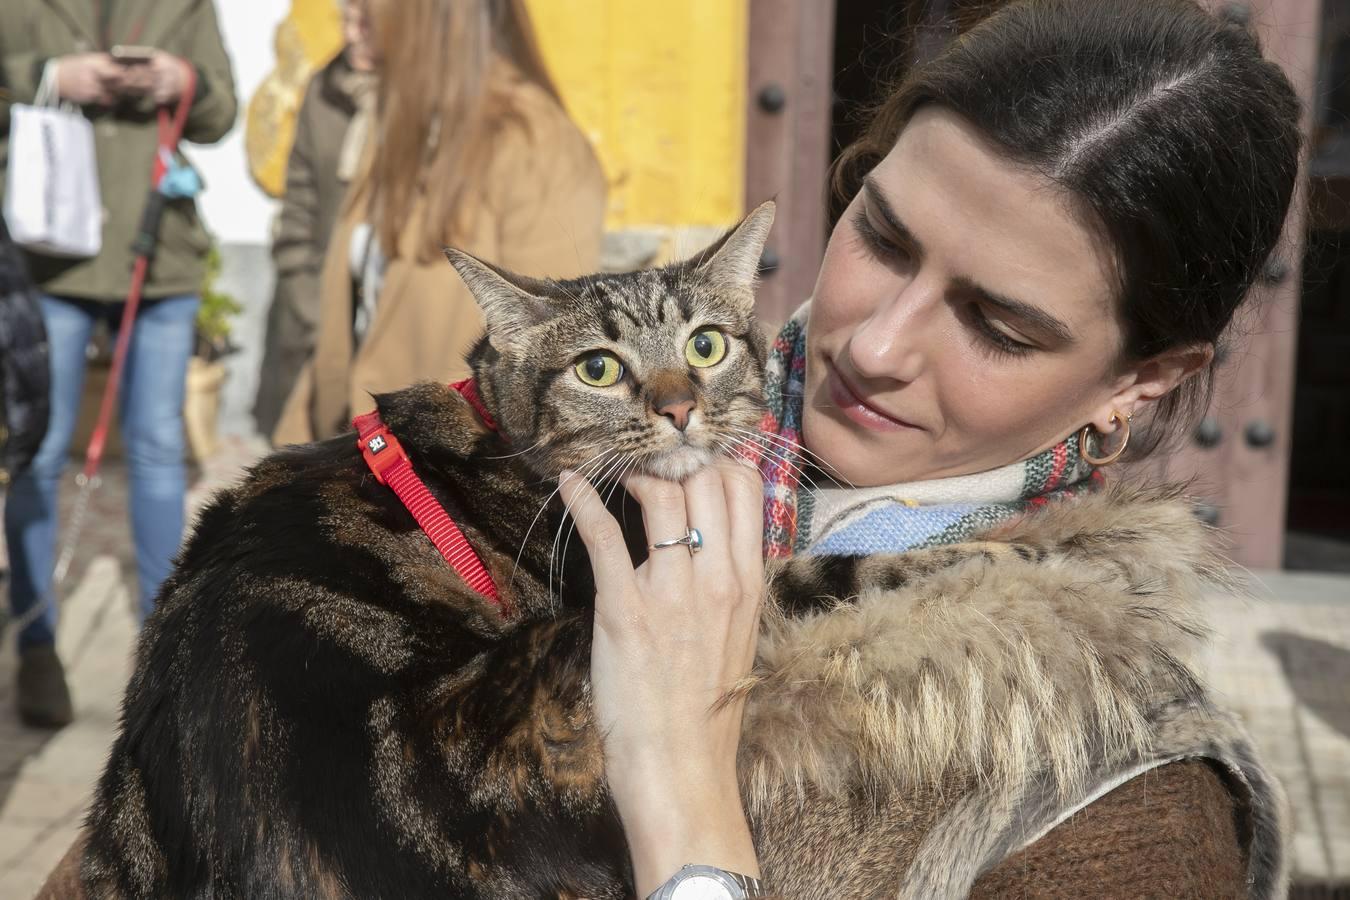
pixel 525 542
pixel 570 295
pixel 632 462
pixel 612 473
pixel 784 443
pixel 797 447
pixel 797 471
pixel 567 520
pixel 533 446
pixel 610 466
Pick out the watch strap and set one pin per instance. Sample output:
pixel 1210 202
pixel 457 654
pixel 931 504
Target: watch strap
pixel 749 887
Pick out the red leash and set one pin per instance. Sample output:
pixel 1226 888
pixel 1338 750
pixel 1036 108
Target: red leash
pixel 390 464
pixel 170 133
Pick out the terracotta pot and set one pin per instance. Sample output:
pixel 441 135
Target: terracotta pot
pixel 201 406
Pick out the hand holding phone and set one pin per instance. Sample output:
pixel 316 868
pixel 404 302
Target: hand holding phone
pixel 88 78
pixel 133 55
pixel 148 72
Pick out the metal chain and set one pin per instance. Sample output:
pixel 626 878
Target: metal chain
pixel 78 516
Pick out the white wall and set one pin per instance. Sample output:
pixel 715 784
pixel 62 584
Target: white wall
pixel 235 209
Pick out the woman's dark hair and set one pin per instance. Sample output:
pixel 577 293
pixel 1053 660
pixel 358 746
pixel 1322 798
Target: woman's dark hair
pixel 1165 125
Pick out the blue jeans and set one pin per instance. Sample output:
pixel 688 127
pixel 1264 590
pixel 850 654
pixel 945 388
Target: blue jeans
pixel 153 385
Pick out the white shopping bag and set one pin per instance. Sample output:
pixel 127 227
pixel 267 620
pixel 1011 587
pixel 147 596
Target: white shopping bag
pixel 52 201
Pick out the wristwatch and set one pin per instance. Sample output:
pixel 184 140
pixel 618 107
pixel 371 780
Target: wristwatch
pixel 708 883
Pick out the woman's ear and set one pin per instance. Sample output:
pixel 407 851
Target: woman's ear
pixel 1152 379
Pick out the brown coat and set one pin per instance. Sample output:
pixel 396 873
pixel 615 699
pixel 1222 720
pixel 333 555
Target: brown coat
pixel 1016 722
pixel 540 213
pixel 1191 848
pixel 309 210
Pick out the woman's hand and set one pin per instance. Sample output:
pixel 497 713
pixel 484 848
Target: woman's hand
pixel 87 79
pixel 162 78
pixel 670 638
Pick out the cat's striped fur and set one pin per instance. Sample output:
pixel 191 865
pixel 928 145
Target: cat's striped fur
pixel 321 708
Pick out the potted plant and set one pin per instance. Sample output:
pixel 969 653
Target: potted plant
pixel 206 372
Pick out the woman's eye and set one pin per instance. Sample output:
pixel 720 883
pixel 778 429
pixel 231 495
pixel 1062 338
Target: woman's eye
pixel 995 336
pixel 706 348
pixel 600 369
pixel 878 244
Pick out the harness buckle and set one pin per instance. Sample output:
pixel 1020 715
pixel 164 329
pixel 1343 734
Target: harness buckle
pixel 381 450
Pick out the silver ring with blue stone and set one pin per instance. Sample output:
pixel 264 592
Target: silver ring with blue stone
pixel 693 539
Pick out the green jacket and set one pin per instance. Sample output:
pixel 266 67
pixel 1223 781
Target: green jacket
pixel 33 31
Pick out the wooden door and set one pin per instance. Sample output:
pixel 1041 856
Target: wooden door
pixel 1237 460
pixel 787 146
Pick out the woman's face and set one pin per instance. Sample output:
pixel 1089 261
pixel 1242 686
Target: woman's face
pixel 963 318
pixel 356 31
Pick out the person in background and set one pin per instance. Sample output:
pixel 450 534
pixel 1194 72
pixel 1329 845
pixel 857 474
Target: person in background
pixel 330 133
pixel 24 375
pixel 120 96
pixel 470 147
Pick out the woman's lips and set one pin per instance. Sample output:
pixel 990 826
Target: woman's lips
pixel 857 409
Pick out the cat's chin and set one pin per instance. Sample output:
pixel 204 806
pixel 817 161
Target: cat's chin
pixel 677 464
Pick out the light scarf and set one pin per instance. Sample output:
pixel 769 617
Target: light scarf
pixel 893 518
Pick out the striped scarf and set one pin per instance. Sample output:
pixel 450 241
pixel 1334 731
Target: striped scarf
pixel 894 518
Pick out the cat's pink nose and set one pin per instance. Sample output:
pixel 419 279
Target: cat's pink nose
pixel 677 412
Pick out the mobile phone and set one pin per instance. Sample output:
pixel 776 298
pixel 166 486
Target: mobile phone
pixel 131 55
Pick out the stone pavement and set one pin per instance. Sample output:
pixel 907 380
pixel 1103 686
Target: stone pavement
pixel 46 778
pixel 1283 662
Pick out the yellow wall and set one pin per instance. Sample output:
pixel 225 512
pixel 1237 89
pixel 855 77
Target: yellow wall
pixel 659 87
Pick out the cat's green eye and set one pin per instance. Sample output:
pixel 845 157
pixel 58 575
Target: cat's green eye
pixel 600 369
pixel 706 348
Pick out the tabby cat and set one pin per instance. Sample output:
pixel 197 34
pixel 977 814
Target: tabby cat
pixel 322 708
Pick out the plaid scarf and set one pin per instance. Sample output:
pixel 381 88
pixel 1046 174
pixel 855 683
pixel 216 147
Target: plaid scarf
pixel 854 522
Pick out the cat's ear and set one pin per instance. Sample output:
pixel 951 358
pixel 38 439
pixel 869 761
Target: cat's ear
pixel 733 262
pixel 510 303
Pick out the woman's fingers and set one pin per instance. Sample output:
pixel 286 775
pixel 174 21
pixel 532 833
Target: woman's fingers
pixel 665 519
pixel 706 505
pixel 610 562
pixel 744 491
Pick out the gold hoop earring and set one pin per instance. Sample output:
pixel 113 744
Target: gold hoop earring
pixel 1110 457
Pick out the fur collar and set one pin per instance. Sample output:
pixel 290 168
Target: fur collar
pixel 999 668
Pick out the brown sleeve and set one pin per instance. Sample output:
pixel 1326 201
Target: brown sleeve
pixel 1169 833
pixel 64 881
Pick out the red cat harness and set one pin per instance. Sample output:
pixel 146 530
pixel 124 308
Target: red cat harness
pixel 390 464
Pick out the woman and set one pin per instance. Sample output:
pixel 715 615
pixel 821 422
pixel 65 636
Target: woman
pixel 72 43
pixel 470 147
pixel 330 133
pixel 1050 227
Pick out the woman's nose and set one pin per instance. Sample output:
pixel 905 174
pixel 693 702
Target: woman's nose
pixel 890 344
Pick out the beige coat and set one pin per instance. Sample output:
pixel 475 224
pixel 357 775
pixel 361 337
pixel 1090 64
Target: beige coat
pixel 540 213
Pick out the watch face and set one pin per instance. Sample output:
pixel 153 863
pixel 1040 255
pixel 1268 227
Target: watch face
pixel 702 887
